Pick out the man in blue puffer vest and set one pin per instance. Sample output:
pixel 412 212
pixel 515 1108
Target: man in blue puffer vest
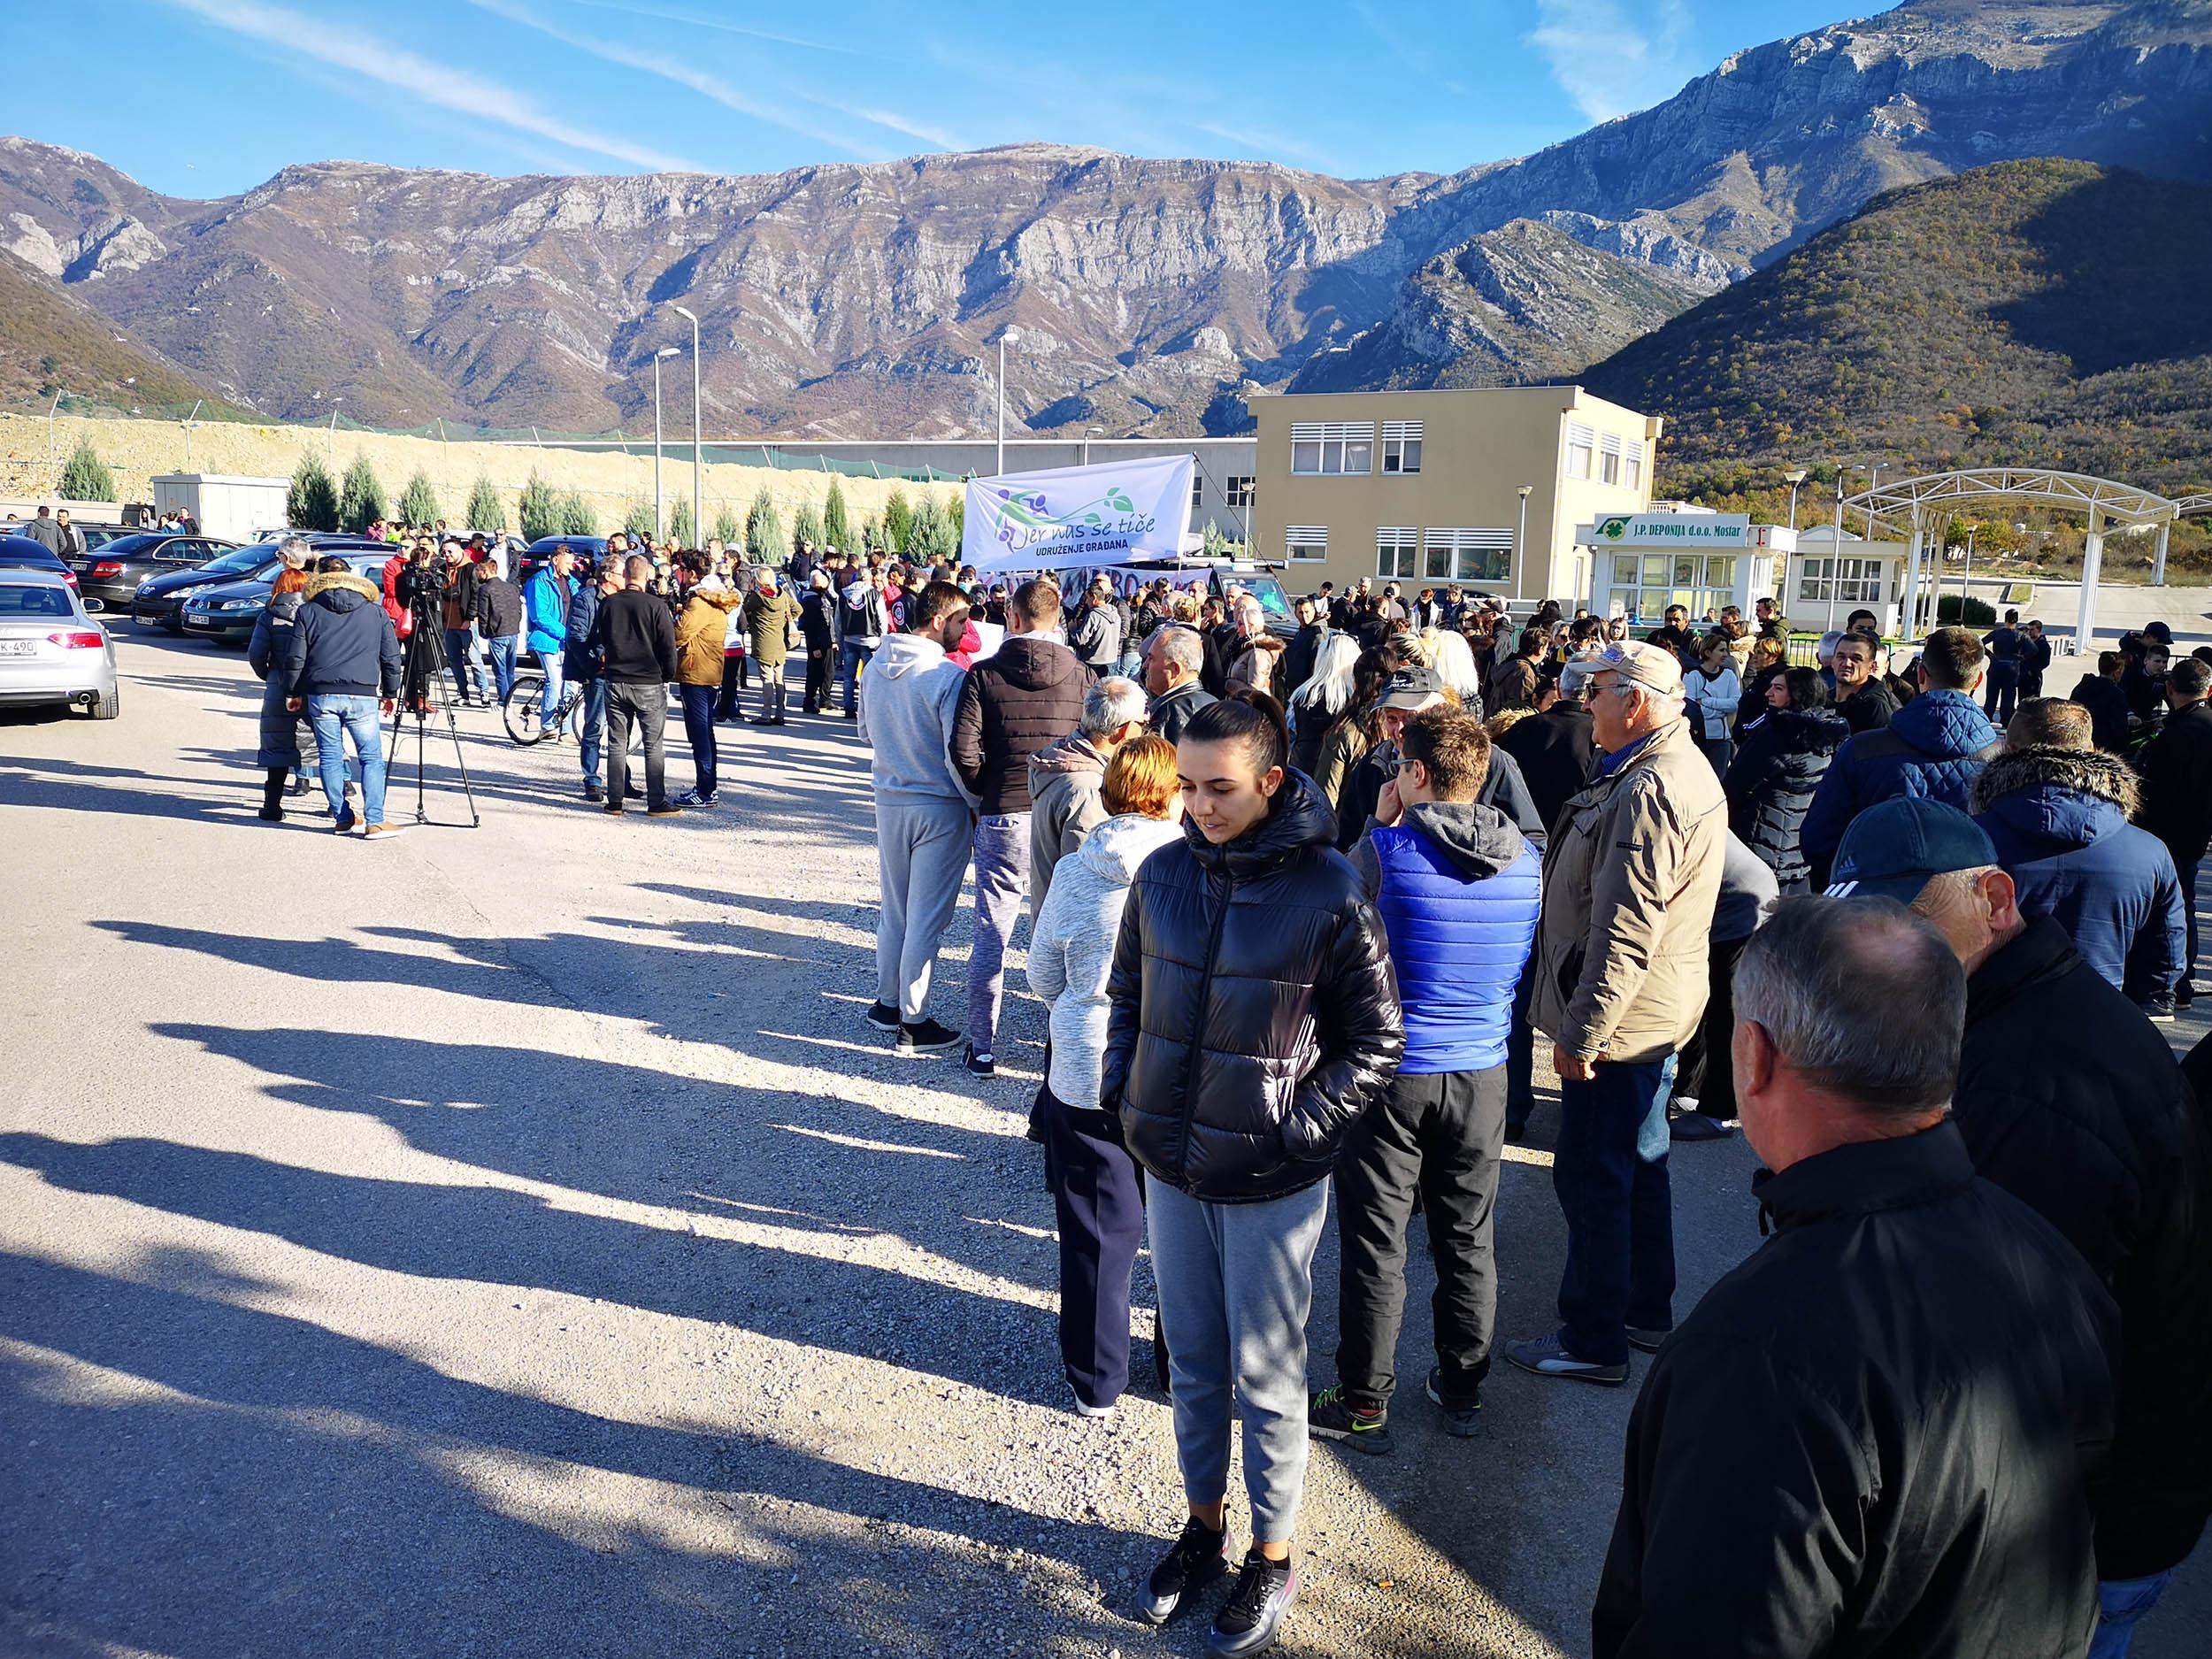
pixel 1932 749
pixel 1458 889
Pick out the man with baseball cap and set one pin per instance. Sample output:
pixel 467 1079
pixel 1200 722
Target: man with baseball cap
pixel 2070 1100
pixel 1630 883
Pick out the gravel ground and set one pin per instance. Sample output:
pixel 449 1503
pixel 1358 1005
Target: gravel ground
pixel 511 1242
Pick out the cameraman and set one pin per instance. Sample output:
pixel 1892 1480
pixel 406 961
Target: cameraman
pixel 463 652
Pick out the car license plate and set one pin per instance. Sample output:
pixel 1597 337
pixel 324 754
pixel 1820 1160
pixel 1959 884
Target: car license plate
pixel 18 647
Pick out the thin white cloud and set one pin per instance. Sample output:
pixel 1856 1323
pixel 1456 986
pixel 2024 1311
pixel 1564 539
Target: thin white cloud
pixel 1264 145
pixel 448 88
pixel 693 19
pixel 676 71
pixel 1613 55
pixel 1416 58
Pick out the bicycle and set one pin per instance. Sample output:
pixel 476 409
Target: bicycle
pixel 527 697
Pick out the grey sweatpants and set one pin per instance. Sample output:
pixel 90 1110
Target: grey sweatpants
pixel 1002 884
pixel 921 853
pixel 1236 1283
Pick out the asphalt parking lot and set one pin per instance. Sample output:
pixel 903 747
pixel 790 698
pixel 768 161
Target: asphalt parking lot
pixel 511 1241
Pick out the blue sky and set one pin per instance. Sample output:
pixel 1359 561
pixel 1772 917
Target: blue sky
pixel 205 98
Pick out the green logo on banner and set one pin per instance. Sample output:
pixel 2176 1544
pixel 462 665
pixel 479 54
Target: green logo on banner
pixel 1613 529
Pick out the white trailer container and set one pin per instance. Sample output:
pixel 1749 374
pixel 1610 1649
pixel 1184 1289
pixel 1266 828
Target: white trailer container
pixel 235 509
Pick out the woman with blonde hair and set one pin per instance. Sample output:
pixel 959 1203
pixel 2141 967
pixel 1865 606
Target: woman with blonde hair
pixel 1315 705
pixel 1448 653
pixel 1096 1190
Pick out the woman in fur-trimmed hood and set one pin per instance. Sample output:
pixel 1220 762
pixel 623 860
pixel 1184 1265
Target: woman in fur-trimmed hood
pixel 2058 816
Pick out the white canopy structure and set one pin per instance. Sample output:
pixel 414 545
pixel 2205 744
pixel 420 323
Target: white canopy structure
pixel 2101 500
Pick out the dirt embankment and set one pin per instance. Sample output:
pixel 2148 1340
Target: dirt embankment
pixel 136 450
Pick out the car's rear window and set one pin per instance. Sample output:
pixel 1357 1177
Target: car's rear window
pixel 23 601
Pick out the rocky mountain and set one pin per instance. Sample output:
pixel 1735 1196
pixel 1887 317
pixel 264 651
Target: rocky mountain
pixel 852 300
pixel 50 339
pixel 1524 303
pixel 2034 313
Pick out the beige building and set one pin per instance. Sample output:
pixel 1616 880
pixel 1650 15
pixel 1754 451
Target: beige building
pixel 1429 489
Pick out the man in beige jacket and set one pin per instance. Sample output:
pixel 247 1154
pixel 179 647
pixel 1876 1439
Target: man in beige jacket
pixel 1630 883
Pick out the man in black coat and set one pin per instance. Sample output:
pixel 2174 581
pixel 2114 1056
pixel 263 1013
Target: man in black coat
pixel 1305 647
pixel 1554 750
pixel 2102 694
pixel 633 640
pixel 2097 1133
pixel 1879 1435
pixel 1022 698
pixel 2177 792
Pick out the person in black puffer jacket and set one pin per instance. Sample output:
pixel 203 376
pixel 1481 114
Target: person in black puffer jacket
pixel 1779 761
pixel 281 748
pixel 1252 1016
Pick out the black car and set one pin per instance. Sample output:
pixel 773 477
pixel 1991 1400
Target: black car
pixel 227 611
pixel 159 600
pixel 20 552
pixel 112 572
pixel 588 550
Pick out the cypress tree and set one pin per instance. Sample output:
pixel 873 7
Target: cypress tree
pixel 540 514
pixel 360 497
pixel 764 530
pixel 85 476
pixel 418 501
pixel 486 509
pixel 311 504
pixel 837 530
pixel 898 520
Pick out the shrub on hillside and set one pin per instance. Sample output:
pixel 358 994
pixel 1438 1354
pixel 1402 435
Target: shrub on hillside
pixel 85 476
pixel 418 501
pixel 576 517
pixel 311 504
pixel 486 509
pixel 540 514
pixel 837 530
pixel 360 497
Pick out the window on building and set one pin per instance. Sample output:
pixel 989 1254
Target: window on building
pixel 1854 581
pixel 1468 556
pixel 1197 489
pixel 1240 492
pixel 1581 445
pixel 1608 458
pixel 1306 540
pixel 1401 446
pixel 1396 551
pixel 1328 447
pixel 1635 463
pixel 1643 587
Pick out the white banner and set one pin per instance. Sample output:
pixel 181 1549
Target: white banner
pixel 1110 514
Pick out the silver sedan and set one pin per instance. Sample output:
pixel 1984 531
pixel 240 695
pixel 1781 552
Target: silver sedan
pixel 52 650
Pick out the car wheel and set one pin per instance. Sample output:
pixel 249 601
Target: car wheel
pixel 108 707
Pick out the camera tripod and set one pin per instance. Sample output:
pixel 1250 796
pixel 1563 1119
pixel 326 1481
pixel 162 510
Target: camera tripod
pixel 423 691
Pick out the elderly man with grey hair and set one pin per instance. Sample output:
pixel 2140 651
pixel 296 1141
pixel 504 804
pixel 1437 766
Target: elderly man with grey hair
pixel 2070 1099
pixel 1066 777
pixel 1883 1432
pixel 1173 657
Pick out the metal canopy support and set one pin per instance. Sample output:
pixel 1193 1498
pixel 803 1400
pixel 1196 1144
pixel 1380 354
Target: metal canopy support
pixel 1916 550
pixel 2091 563
pixel 2158 559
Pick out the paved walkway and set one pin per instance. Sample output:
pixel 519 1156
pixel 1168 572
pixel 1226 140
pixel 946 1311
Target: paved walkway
pixel 511 1241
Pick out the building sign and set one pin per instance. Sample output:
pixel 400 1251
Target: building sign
pixel 1108 514
pixel 1674 529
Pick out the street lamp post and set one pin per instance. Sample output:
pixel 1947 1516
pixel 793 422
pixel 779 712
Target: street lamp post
pixel 1793 479
pixel 1094 432
pixel 665 351
pixel 1520 539
pixel 1005 334
pixel 60 392
pixel 698 468
pixel 334 412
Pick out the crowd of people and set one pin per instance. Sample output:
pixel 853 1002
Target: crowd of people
pixel 1300 906
pixel 1959 1402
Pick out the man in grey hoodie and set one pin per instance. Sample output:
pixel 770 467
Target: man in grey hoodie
pixel 1066 777
pixel 924 817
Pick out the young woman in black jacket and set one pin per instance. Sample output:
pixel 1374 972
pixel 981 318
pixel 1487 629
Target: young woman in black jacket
pixel 1780 759
pixel 1252 1016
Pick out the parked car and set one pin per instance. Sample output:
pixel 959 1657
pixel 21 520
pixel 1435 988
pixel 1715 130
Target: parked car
pixel 111 572
pixel 51 651
pixel 159 600
pixel 226 611
pixel 21 553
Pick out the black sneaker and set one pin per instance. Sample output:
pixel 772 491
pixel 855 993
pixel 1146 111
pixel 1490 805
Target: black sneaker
pixel 1253 1617
pixel 1646 1342
pixel 981 1065
pixel 1332 1417
pixel 928 1037
pixel 1199 1556
pixel 883 1017
pixel 1698 1127
pixel 1463 1415
pixel 594 794
pixel 2160 1009
pixel 2185 992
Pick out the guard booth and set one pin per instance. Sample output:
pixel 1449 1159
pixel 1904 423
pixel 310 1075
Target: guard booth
pixel 1829 577
pixel 1642 562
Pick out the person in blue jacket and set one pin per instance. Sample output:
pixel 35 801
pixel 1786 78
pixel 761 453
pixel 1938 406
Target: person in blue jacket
pixel 2058 813
pixel 1458 887
pixel 1932 749
pixel 545 607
